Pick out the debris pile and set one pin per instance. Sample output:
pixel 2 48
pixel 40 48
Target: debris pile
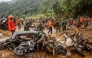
pixel 25 42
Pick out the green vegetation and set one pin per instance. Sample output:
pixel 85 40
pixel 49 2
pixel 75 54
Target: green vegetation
pixel 73 8
pixel 57 8
pixel 21 8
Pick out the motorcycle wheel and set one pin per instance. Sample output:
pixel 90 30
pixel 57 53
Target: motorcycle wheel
pixel 1 47
pixel 18 51
pixel 79 51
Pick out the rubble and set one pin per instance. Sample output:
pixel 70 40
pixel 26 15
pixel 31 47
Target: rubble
pixel 40 41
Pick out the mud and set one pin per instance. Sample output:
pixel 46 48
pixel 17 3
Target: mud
pixel 10 54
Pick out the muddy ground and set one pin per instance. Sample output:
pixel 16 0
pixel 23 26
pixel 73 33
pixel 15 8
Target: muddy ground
pixel 9 54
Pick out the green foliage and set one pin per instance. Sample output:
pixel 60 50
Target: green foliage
pixel 21 8
pixel 57 8
pixel 73 8
pixel 48 8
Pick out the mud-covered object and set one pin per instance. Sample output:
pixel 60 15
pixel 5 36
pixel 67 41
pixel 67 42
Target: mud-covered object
pixel 10 44
pixel 20 33
pixel 3 23
pixel 51 45
pixel 25 48
pixel 15 40
pixel 71 43
pixel 83 41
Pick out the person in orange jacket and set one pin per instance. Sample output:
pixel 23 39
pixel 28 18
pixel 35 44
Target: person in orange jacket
pixel 50 26
pixel 89 20
pixel 81 20
pixel 11 25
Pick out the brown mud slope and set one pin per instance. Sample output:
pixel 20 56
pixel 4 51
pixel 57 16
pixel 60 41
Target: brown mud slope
pixel 10 54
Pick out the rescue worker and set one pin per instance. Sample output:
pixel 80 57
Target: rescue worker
pixel 78 28
pixel 11 25
pixel 89 20
pixel 26 26
pixel 39 26
pixel 81 20
pixel 86 23
pixel 64 25
pixel 18 23
pixel 50 26
pixel 57 25
pixel 70 22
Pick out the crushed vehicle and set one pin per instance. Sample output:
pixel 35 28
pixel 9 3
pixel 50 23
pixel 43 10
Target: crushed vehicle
pixel 49 44
pixel 25 42
pixel 76 42
pixel 83 41
pixel 27 46
pixel 16 39
pixel 71 44
pixel 10 44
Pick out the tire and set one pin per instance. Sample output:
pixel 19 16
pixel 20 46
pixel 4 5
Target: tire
pixel 79 51
pixel 1 47
pixel 18 52
pixel 9 48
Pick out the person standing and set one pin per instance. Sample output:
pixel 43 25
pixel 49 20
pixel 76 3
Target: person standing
pixel 64 23
pixel 86 23
pixel 89 20
pixel 11 25
pixel 18 23
pixel 57 25
pixel 78 28
pixel 26 26
pixel 50 26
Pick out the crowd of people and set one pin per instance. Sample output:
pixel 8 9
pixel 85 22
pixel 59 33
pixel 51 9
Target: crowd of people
pixel 49 24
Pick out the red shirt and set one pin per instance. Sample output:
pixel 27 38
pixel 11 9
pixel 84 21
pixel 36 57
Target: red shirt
pixel 51 24
pixel 89 19
pixel 11 25
pixel 81 20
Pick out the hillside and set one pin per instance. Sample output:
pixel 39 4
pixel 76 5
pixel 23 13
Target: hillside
pixel 21 7
pixel 24 8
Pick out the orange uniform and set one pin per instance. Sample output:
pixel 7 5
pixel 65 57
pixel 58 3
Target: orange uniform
pixel 89 19
pixel 51 24
pixel 81 20
pixel 11 25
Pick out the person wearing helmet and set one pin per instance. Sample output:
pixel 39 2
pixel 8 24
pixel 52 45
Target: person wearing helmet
pixel 11 25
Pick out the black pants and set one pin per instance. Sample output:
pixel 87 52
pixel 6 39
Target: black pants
pixel 13 31
pixel 50 30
